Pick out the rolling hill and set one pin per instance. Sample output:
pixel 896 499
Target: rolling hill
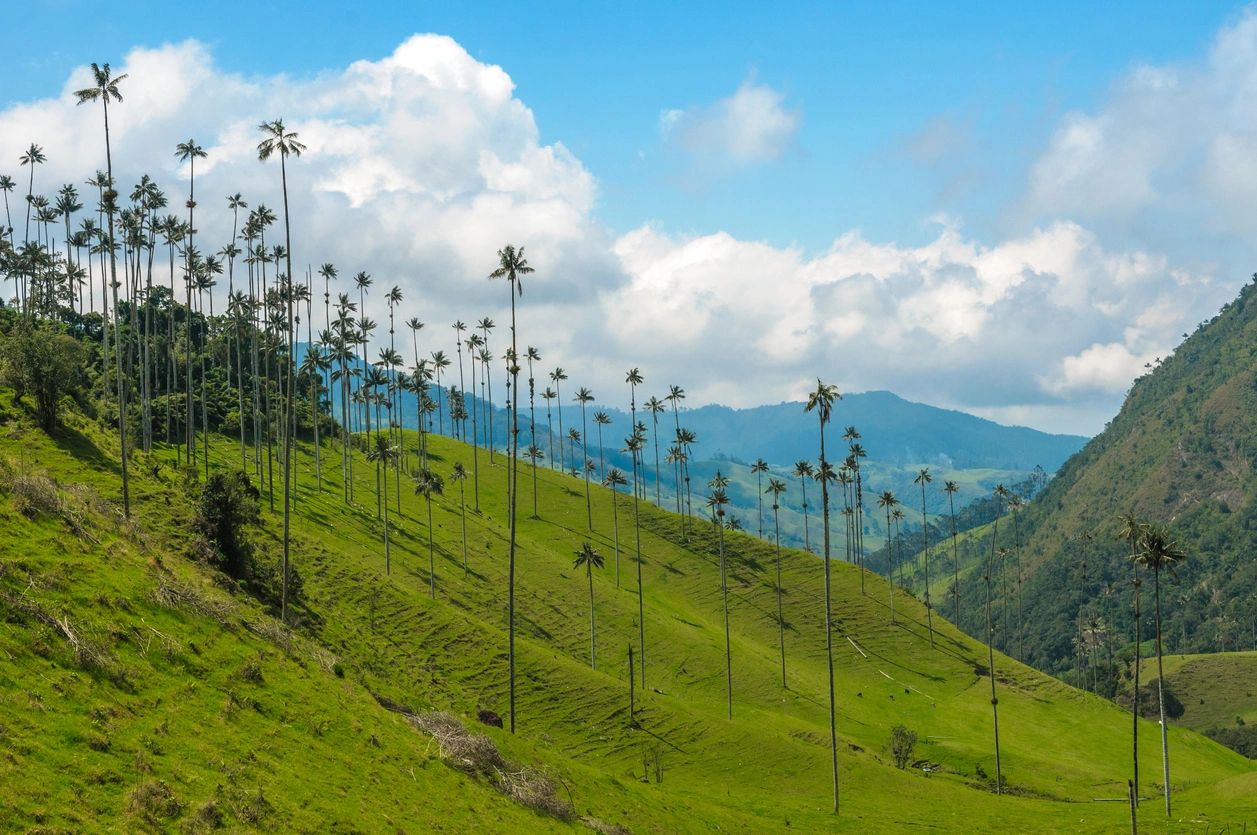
pixel 142 689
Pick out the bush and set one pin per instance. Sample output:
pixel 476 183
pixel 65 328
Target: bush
pixel 229 504
pixel 901 745
pixel 44 362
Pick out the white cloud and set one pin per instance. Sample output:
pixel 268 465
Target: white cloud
pixel 423 163
pixel 1174 147
pixel 751 125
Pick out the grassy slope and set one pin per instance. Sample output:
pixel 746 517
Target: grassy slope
pixel 765 768
pixel 1213 688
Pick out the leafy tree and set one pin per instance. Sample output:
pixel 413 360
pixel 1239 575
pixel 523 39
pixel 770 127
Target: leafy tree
pixel 42 361
pixel 228 505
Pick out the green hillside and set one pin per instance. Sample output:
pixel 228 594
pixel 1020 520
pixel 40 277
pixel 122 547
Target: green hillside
pixel 142 690
pixel 1183 452
pixel 1216 693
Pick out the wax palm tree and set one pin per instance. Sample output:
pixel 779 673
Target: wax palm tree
pixel 429 484
pixel 512 266
pixel 803 471
pixel 655 406
pixel 6 186
pixel 602 419
pixel 557 376
pixel 383 452
pixel 923 478
pixel 758 469
pixel 104 87
pixel 532 355
pixel 822 402
pixel 888 501
pixel 534 454
pixel 634 379
pixel 278 139
pixel 633 446
pixel 1000 492
pixel 584 397
pixel 459 476
pixel 614 479
pixel 34 155
pixel 951 488
pixel 776 487
pixel 314 364
pixel 549 395
pixel 589 559
pixel 1157 553
pixel 717 501
pixel 1131 529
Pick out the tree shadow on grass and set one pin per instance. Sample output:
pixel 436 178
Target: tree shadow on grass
pixel 84 449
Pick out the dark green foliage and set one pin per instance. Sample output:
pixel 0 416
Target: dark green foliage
pixel 229 504
pixel 44 362
pixel 1241 738
pixel 901 745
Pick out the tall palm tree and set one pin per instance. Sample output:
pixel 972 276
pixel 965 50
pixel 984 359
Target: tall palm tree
pixel 486 325
pixel 803 471
pixel 1000 492
pixel 190 152
pixel 633 446
pixel 512 266
pixel 383 452
pixel 634 379
pixel 584 397
pixel 951 488
pixel 104 87
pixel 532 355
pixel 923 478
pixel 428 484
pixel 589 559
pixel 557 376
pixel 613 479
pixel 1157 553
pixel 278 139
pixel 602 419
pixel 822 402
pixel 1131 529
pixel 34 155
pixel 888 501
pixel 654 405
pixel 6 186
pixel 776 487
pixel 717 501
pixel 549 395
pixel 459 475
pixel 758 469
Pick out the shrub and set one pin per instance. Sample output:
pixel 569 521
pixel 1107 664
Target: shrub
pixel 228 505
pixel 902 743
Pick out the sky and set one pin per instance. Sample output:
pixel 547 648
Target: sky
pixel 1006 210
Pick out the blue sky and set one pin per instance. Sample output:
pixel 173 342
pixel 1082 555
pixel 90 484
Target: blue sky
pixel 867 80
pixel 1004 208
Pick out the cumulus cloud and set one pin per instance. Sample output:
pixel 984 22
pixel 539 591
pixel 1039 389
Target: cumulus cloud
pixel 1173 147
pixel 751 125
pixel 423 163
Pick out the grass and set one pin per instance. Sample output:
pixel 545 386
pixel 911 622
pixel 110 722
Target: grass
pixel 222 708
pixel 1213 688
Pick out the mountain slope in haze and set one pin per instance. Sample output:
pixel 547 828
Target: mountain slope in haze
pixel 203 713
pixel 1182 451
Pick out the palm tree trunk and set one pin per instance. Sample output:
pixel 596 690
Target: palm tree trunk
pixel 615 522
pixel 724 597
pixel 514 483
pixel 829 632
pixel 955 559
pixel 593 644
pixel 432 555
pixel 1134 704
pixel 925 532
pixel 641 603
pixel 990 659
pixel 113 278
